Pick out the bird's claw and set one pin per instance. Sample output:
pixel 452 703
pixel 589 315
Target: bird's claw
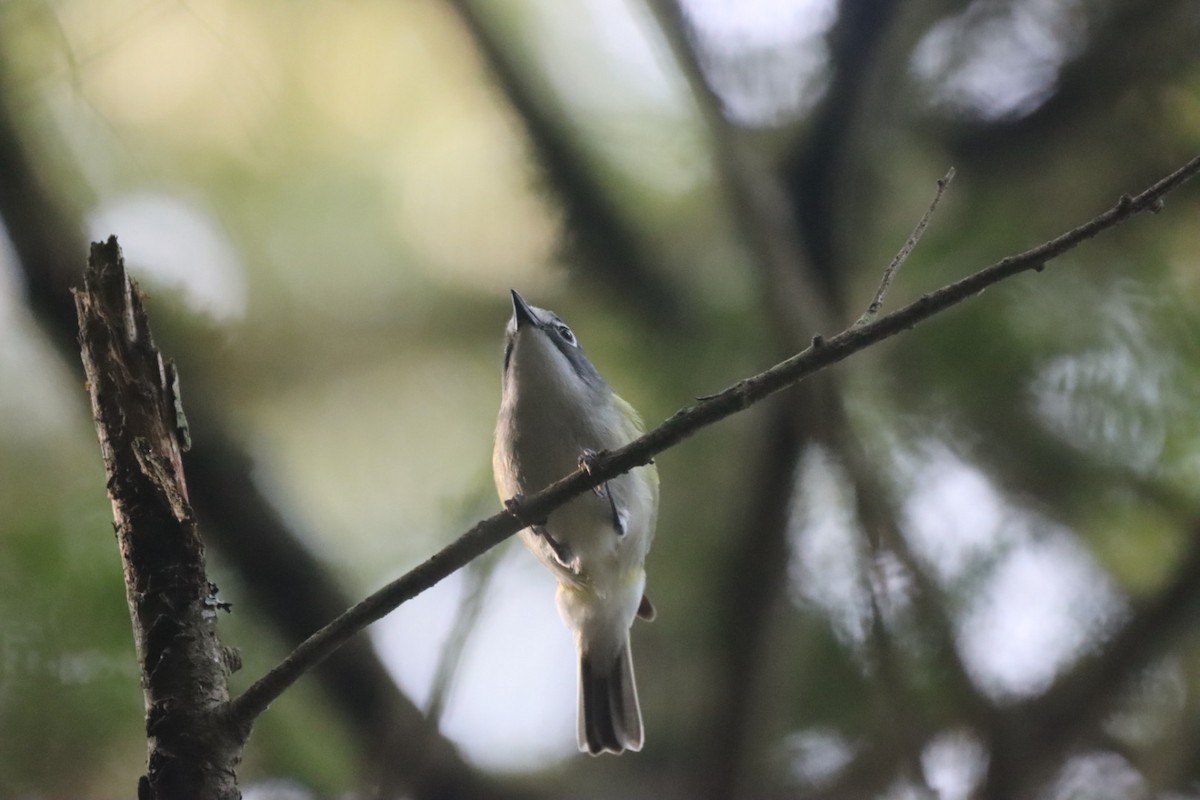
pixel 587 461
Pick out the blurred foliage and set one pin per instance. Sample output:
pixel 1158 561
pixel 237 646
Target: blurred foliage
pixel 327 204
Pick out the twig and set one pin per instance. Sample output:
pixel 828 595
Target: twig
pixel 905 251
pixel 820 354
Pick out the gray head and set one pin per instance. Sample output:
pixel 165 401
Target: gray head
pixel 540 347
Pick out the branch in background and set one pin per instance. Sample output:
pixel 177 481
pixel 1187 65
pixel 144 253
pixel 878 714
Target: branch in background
pixel 979 711
pixel 748 583
pixel 822 172
pixel 1033 737
pixel 193 753
pixel 877 514
pixel 597 232
pixel 751 578
pixel 760 206
pixel 683 424
pixel 767 227
pixel 1131 52
pixel 286 583
pixel 872 771
pixel 478 581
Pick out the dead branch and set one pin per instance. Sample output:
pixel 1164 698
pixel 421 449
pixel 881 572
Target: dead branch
pixel 193 751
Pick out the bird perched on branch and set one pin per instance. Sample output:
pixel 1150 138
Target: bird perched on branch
pixel 556 414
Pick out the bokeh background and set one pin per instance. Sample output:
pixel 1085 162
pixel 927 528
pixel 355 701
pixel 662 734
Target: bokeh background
pixel 963 564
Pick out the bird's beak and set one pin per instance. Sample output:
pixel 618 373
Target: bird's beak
pixel 522 313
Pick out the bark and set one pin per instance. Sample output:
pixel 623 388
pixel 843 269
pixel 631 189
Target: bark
pixel 193 750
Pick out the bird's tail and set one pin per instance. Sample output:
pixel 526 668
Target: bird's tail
pixel 609 717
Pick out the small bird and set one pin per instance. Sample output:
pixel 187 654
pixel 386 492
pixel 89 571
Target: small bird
pixel 556 414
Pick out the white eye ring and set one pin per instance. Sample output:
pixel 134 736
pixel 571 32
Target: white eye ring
pixel 567 335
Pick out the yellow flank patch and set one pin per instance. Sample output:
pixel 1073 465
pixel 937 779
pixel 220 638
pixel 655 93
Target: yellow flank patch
pixel 577 589
pixel 586 591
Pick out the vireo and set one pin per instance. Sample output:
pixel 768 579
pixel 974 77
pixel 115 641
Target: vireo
pixel 556 413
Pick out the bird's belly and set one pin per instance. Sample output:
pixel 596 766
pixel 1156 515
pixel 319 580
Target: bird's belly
pixel 587 545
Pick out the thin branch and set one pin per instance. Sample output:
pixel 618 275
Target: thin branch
pixel 470 610
pixel 898 261
pixel 821 354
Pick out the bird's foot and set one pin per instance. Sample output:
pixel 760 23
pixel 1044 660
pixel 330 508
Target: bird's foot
pixel 587 460
pixel 561 550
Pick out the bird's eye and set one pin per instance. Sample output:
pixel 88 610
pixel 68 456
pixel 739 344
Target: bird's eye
pixel 567 335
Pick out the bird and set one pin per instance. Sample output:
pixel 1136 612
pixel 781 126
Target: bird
pixel 556 415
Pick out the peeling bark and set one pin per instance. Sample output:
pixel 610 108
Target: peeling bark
pixel 193 748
